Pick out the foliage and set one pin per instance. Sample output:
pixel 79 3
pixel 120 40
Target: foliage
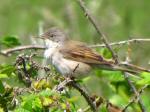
pixel 29 93
pixel 10 41
pixel 21 88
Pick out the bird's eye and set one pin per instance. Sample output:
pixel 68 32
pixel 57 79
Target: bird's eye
pixel 52 35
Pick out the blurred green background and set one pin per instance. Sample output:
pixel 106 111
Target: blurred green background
pixel 119 20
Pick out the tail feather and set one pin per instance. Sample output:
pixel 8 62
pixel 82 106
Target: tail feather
pixel 119 68
pixel 125 70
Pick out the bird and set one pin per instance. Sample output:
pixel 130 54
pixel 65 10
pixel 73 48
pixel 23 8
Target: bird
pixel 74 58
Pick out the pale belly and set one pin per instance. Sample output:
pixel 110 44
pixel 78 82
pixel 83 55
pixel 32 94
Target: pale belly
pixel 66 66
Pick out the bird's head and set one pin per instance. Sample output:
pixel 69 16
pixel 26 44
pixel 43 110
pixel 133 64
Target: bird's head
pixel 54 36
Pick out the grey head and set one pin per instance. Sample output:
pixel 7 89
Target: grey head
pixel 55 34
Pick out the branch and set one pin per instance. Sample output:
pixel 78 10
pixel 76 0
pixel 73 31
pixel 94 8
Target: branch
pixel 122 42
pixel 93 22
pixel 104 39
pixel 85 95
pixel 36 47
pixel 112 108
pixel 62 85
pixel 134 98
pixel 98 101
pixel 126 75
pixel 20 48
pixel 72 83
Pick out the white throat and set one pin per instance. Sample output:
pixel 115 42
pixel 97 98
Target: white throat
pixel 51 44
pixel 51 48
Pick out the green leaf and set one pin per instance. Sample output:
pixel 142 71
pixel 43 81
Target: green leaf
pixel 106 53
pixel 2 88
pixel 3 75
pixel 47 101
pixel 10 41
pixel 21 110
pixel 8 69
pixel 117 100
pixel 113 76
pixel 145 79
pixel 46 93
pixel 32 102
pixel 146 100
pixel 27 101
pixel 37 105
pixel 86 79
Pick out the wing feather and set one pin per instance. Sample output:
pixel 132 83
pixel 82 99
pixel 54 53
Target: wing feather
pixel 82 53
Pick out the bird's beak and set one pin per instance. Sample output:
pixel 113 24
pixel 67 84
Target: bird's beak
pixel 40 37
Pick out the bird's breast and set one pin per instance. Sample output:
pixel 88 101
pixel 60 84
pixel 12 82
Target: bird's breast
pixel 66 66
pixel 49 52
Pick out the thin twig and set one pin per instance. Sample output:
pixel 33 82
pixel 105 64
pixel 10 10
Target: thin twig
pixel 104 39
pixel 98 29
pixel 126 75
pixel 20 48
pixel 112 108
pixel 85 95
pixel 25 47
pixel 134 98
pixel 62 85
pixel 99 100
pixel 72 83
pixel 122 42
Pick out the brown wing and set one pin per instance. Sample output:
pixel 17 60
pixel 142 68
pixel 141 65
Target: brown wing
pixel 80 52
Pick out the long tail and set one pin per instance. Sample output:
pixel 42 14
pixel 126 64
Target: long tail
pixel 134 67
pixel 130 68
pixel 118 68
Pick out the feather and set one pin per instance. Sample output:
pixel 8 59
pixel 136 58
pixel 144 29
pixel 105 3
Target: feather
pixel 81 53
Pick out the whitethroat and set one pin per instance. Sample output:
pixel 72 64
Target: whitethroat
pixel 74 57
